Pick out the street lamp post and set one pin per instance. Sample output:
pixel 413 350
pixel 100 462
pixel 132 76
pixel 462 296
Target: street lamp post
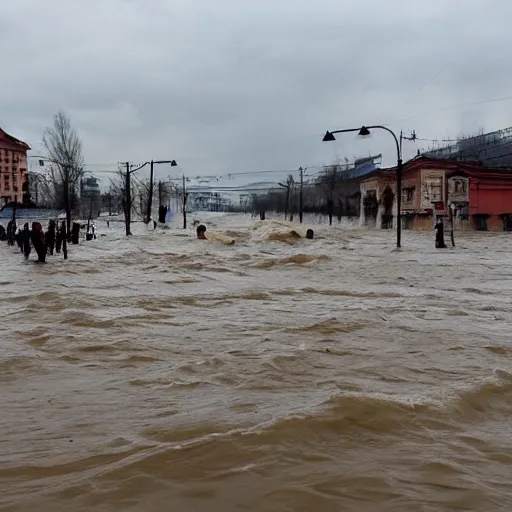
pixel 128 192
pixel 363 131
pixel 65 183
pixel 301 197
pixel 15 189
pixel 151 177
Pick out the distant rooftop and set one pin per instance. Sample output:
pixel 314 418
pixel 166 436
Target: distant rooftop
pixel 493 149
pixel 361 167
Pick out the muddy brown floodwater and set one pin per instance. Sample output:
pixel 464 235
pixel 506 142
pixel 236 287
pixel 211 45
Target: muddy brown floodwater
pixel 166 373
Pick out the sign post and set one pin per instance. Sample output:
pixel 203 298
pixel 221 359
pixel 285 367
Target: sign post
pixel 452 208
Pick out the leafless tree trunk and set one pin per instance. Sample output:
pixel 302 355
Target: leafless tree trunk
pixel 64 149
pixel 328 181
pixel 41 190
pixel 138 189
pixel 142 189
pixel 287 186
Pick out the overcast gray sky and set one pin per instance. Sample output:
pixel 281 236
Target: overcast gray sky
pixel 240 85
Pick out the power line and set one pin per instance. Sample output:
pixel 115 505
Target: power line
pixel 103 172
pixel 436 140
pixel 246 173
pixel 239 190
pixel 451 107
pixel 101 165
pixel 37 157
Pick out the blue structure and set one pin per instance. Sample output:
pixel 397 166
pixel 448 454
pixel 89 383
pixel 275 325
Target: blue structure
pixel 30 214
pixel 362 166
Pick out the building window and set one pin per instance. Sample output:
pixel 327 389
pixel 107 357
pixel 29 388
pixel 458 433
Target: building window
pixel 408 194
pixel 459 187
pixel 435 191
pixel 431 192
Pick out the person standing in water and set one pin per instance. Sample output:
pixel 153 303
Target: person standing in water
pixel 25 241
pixel 38 241
pixel 50 237
pixel 439 227
pixel 11 232
pixel 201 232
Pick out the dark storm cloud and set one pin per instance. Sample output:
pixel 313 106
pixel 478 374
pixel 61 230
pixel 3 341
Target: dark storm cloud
pixel 240 85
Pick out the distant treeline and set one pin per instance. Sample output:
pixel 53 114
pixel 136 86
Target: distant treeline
pixel 328 194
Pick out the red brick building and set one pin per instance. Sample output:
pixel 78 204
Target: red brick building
pixel 482 197
pixel 13 168
pixel 425 189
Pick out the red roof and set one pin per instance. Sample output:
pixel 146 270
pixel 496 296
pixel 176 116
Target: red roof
pixel 13 142
pixel 447 165
pixel 381 171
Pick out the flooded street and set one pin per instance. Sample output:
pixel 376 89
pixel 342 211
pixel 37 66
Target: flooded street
pixel 162 372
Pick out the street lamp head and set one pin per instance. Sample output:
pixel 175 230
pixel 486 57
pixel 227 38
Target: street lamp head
pixel 364 132
pixel 328 137
pixel 173 163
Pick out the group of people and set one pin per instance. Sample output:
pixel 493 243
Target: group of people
pixel 43 242
pixel 201 232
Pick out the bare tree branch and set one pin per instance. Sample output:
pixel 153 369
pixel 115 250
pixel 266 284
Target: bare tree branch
pixel 139 193
pixel 64 149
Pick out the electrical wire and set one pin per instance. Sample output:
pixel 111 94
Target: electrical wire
pixel 452 107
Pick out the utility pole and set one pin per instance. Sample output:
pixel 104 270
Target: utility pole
pixel 127 201
pixel 301 198
pixel 413 137
pixel 15 190
pixel 185 196
pixel 128 192
pixel 89 218
pixel 399 176
pixel 109 196
pixel 287 187
pixel 150 194
pixel 293 200
pixel 452 236
pixel 66 195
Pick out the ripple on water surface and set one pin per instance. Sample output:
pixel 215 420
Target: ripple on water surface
pixel 277 373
